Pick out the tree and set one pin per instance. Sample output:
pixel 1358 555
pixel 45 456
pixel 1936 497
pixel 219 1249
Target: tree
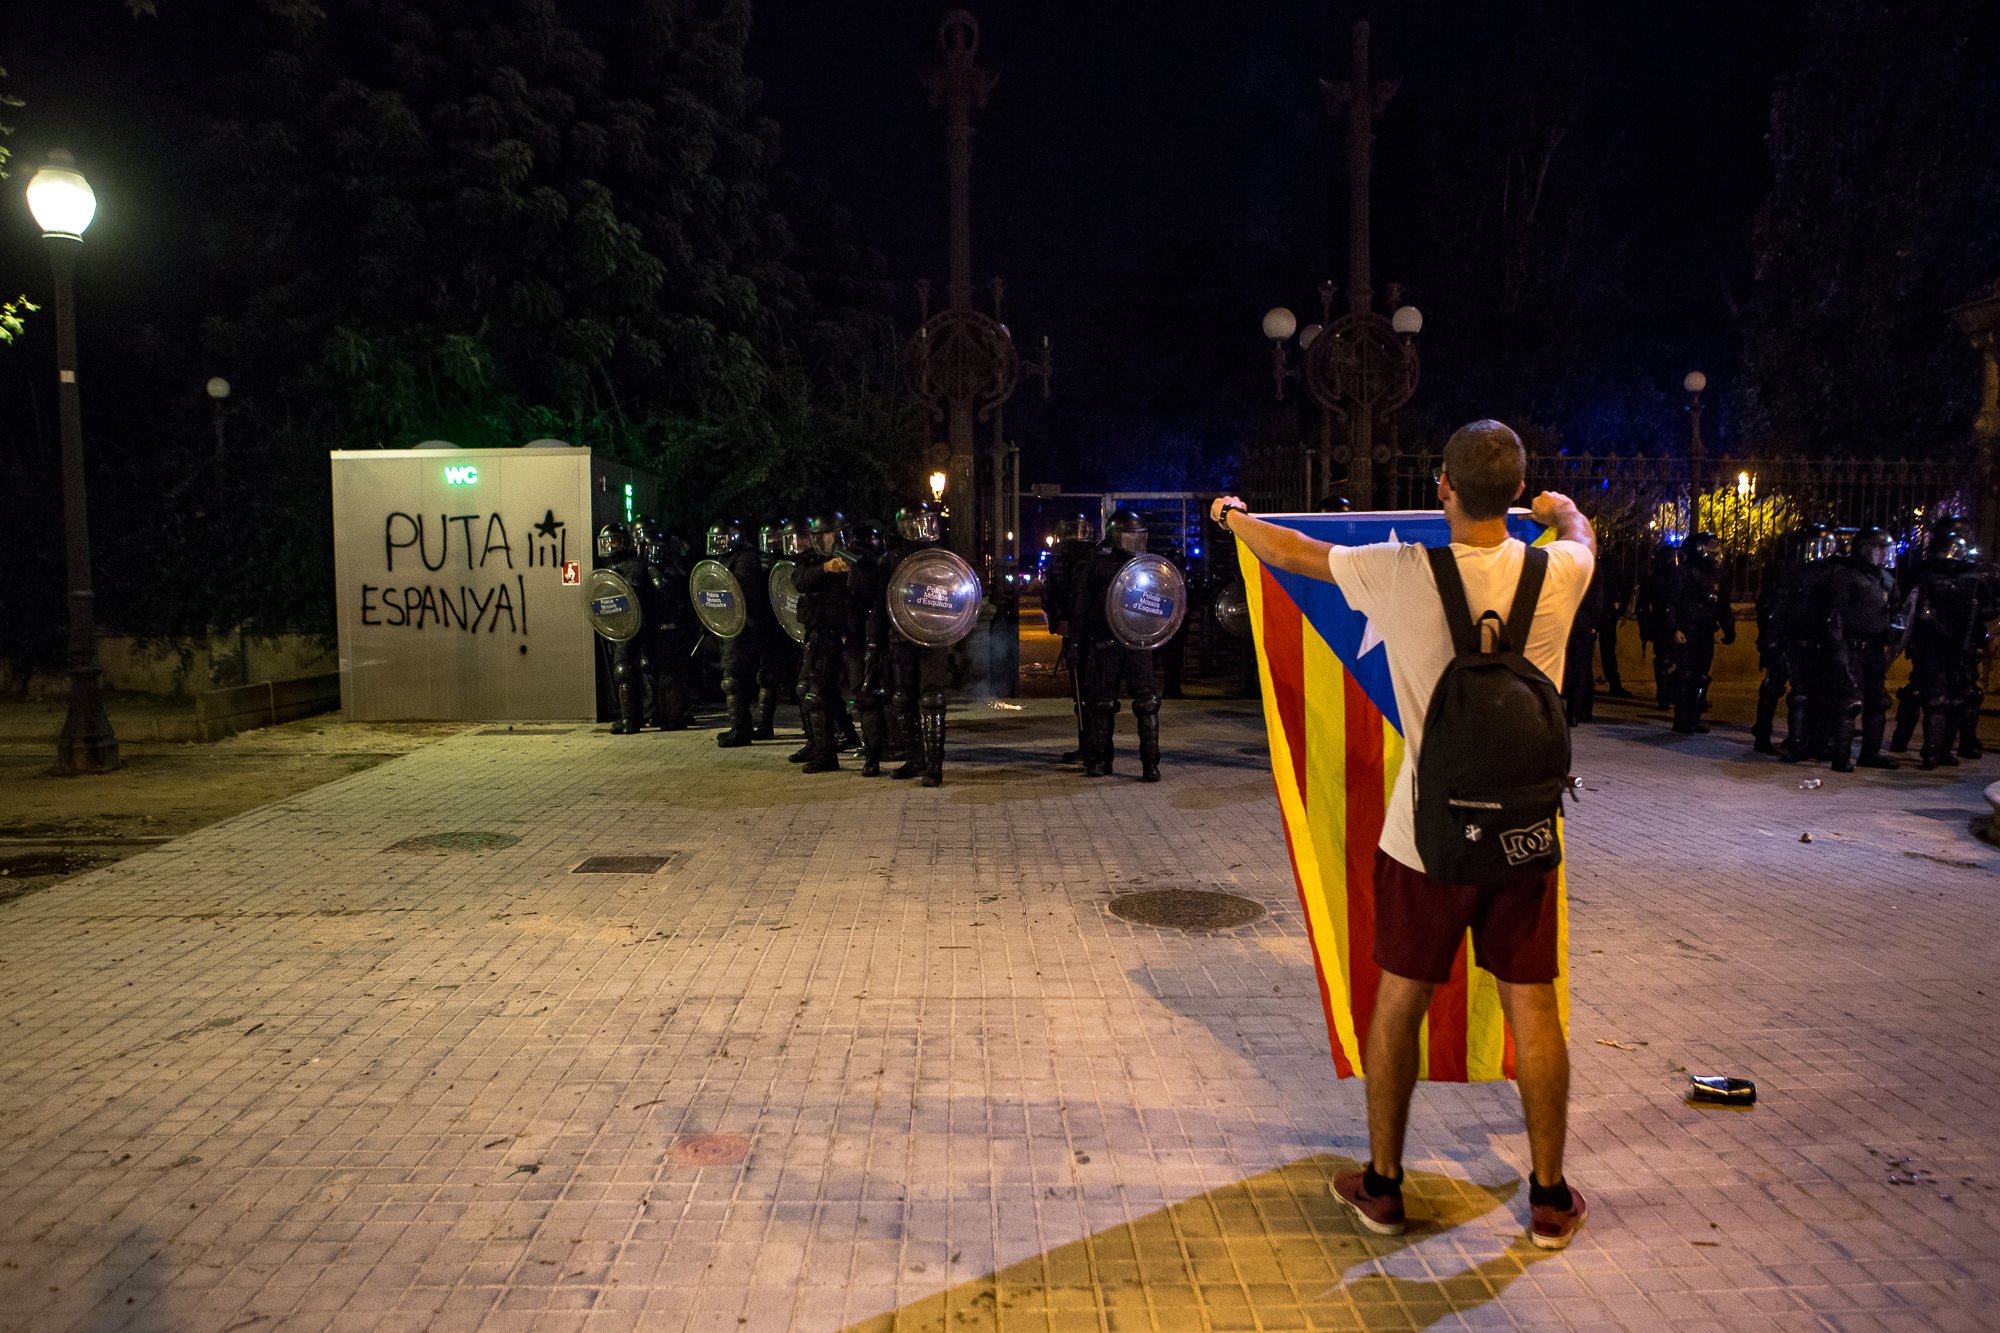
pixel 1885 180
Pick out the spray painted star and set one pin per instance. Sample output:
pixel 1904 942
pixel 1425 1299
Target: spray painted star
pixel 1371 638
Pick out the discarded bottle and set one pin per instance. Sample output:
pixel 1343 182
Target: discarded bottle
pixel 1721 1090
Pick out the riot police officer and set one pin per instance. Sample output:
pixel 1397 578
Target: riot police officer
pixel 1972 699
pixel 1076 538
pixel 1790 641
pixel 1109 664
pixel 918 677
pixel 1943 629
pixel 669 629
pixel 778 666
pixel 866 665
pixel 1655 588
pixel 1696 607
pixel 631 659
pixel 743 656
pixel 1859 596
pixel 822 580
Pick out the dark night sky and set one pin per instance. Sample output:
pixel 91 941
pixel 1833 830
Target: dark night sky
pixel 1148 178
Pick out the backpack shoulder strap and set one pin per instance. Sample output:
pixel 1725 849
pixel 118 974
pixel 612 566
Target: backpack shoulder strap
pixel 1528 592
pixel 1451 591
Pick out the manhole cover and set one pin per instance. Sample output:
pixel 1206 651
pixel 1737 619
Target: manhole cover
pixel 526 731
pixel 621 865
pixel 1186 909
pixel 710 1150
pixel 455 842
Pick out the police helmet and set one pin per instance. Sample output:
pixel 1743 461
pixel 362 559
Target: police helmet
pixel 1815 543
pixel 1705 548
pixel 868 539
pixel 793 538
pixel 614 540
pixel 771 537
pixel 1076 528
pixel 918 523
pixel 828 532
pixel 1952 540
pixel 1126 532
pixel 724 537
pixel 1872 546
pixel 650 539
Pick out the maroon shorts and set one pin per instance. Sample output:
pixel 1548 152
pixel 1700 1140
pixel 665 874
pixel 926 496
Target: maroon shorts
pixel 1419 923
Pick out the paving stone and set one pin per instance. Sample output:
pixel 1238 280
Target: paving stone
pixel 273 1071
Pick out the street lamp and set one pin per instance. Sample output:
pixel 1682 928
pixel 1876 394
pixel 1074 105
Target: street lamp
pixel 1694 382
pixel 937 486
pixel 63 205
pixel 218 392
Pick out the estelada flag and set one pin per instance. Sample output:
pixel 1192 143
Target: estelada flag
pixel 1336 747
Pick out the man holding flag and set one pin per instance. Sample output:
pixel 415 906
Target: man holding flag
pixel 1420 923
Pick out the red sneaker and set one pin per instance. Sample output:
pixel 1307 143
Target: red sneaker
pixel 1383 1216
pixel 1553 1228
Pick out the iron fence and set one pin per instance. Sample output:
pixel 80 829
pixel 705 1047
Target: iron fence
pixel 1635 502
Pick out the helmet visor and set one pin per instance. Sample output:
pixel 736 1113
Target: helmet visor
pixel 918 527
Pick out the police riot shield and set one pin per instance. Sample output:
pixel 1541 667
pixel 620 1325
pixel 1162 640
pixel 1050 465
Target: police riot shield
pixel 785 599
pixel 614 607
pixel 934 598
pixel 718 599
pixel 1232 610
pixel 1146 602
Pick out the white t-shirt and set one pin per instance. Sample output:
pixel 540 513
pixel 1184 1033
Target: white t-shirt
pixel 1391 584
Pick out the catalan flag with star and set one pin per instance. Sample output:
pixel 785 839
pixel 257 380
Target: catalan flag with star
pixel 1336 747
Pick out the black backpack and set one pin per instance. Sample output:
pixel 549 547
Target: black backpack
pixel 1495 758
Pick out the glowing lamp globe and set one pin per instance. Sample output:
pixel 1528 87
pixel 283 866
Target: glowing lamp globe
pixel 1309 335
pixel 1407 321
pixel 1280 323
pixel 937 485
pixel 218 388
pixel 1695 381
pixel 61 199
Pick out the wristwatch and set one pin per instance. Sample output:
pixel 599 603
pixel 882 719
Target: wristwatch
pixel 1222 519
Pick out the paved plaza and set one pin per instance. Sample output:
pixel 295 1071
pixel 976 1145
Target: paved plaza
pixel 862 1056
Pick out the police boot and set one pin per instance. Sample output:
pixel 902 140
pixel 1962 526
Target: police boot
pixel 628 711
pixel 1767 715
pixel 1937 737
pixel 844 729
pixel 821 756
pixel 931 734
pixel 738 705
pixel 807 722
pixel 905 731
pixel 1097 744
pixel 1843 744
pixel 1968 735
pixel 1149 744
pixel 1909 708
pixel 871 742
pixel 1798 721
pixel 767 714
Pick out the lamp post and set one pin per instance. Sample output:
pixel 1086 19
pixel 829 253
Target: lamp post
pixel 1359 368
pixel 218 393
pixel 1694 382
pixel 62 204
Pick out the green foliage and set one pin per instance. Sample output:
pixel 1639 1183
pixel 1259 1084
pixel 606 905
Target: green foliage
pixel 489 221
pixel 11 323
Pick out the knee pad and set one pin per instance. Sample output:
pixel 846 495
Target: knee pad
pixel 729 684
pixel 625 672
pixel 1146 704
pixel 932 700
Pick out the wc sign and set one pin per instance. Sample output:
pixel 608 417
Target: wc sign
pixel 462 475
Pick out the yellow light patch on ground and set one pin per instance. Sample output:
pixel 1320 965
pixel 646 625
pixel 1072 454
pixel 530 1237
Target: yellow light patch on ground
pixel 1274 1252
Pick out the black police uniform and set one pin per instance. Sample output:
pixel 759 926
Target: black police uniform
pixel 632 660
pixel 919 679
pixel 673 633
pixel 1695 608
pixel 1109 665
pixel 745 657
pixel 823 610
pixel 1942 632
pixel 1860 607
pixel 865 664
pixel 1655 588
pixel 1059 594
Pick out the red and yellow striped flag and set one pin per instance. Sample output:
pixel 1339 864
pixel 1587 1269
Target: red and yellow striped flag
pixel 1336 747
